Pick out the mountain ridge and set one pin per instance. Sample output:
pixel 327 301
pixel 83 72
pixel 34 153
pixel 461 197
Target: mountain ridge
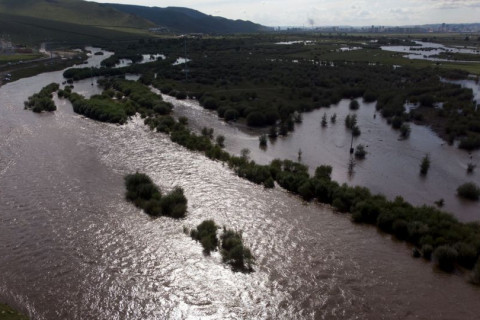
pixel 180 19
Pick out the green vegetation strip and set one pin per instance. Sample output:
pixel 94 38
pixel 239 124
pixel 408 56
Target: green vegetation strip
pixel 42 101
pixel 7 313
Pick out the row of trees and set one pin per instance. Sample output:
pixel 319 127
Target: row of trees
pixel 425 227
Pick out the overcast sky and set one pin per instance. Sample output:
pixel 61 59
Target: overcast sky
pixel 330 12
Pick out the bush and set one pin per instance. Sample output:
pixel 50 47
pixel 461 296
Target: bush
pixel 255 119
pixel 231 115
pixel 445 257
pixel 469 191
pixel 206 233
pixel 354 105
pixel 147 196
pixel 234 252
pixel 174 204
pixel 427 251
pixel 360 152
pixel 467 255
pixel 425 165
pixel 323 172
pixel 405 131
pixel 476 273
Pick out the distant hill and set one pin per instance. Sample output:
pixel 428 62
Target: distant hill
pixel 32 31
pixel 188 20
pixel 73 11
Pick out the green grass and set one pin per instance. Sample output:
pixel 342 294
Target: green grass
pixel 73 11
pixel 31 69
pixel 33 31
pixel 18 57
pixel 7 313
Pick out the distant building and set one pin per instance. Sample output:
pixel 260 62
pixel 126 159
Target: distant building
pixel 159 30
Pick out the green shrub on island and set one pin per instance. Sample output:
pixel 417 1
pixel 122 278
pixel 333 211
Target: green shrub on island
pixel 469 191
pixel 144 194
pixel 130 97
pixel 234 252
pixel 42 101
pixel 206 233
pixel 7 313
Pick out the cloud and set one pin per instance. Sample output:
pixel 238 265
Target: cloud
pixel 455 4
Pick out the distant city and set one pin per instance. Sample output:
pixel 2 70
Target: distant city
pixel 428 28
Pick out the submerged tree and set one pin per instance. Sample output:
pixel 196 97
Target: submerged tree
pixel 221 141
pixel 324 121
pixel 360 152
pixel 206 233
pixel 354 105
pixel 469 191
pixel 425 165
pixel 333 118
pixel 405 131
pixel 263 140
pixel 234 252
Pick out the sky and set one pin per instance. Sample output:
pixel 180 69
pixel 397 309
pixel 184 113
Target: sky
pixel 311 13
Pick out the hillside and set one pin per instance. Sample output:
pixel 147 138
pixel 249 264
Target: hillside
pixel 187 20
pixel 32 31
pixel 73 11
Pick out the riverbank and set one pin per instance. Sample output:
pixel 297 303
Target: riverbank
pixel 28 69
pixel 7 313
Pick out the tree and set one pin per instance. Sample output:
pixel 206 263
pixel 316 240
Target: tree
pixel 445 257
pixel 469 191
pixel 206 233
pixel 425 165
pixel 234 252
pixel 324 120
pixel 263 140
pixel 354 105
pixel 245 154
pixel 405 131
pixel 360 152
pixel 221 141
pixel 333 118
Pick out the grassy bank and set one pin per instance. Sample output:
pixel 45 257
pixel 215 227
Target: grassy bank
pixel 7 313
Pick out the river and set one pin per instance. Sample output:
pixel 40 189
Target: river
pixel 391 166
pixel 73 248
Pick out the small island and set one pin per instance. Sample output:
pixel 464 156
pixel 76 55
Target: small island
pixel 42 101
pixel 232 249
pixel 144 194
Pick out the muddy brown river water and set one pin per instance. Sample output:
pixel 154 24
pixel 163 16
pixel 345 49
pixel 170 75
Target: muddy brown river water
pixel 71 247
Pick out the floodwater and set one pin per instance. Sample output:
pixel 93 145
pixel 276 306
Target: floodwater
pixel 391 166
pixel 73 248
pixel 426 51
